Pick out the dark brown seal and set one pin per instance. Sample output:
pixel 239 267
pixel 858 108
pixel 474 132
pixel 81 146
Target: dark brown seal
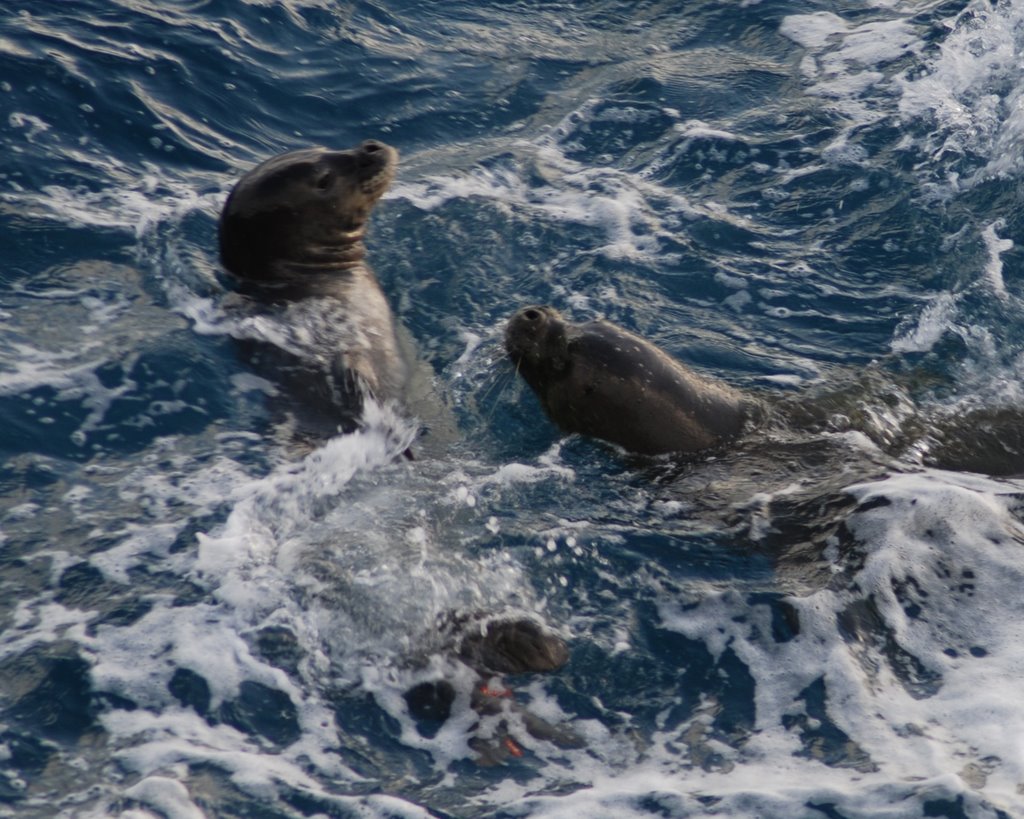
pixel 291 233
pixel 600 380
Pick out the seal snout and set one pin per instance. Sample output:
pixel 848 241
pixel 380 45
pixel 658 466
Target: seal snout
pixel 535 338
pixel 525 330
pixel 532 319
pixel 372 146
pixel 374 153
pixel 375 164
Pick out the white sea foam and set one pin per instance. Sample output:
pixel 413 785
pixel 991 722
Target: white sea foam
pixel 248 565
pixel 630 209
pixel 970 92
pixel 29 368
pixel 942 569
pixel 136 206
pixel 845 62
pixel 934 321
pixel 167 797
pixel 967 91
pixel 317 547
pixel 996 246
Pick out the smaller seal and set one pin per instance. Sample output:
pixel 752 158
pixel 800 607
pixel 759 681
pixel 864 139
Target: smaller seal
pixel 600 380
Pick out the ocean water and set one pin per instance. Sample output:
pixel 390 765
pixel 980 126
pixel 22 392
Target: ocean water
pixel 821 203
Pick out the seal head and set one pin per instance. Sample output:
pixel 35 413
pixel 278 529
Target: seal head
pixel 598 379
pixel 303 212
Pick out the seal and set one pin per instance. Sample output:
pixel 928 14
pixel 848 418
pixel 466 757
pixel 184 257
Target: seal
pixel 291 234
pixel 492 648
pixel 600 380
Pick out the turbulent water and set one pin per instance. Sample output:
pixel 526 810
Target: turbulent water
pixel 821 203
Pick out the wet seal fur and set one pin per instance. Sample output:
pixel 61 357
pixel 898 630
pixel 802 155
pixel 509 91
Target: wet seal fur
pixel 600 380
pixel 291 234
pixel 492 648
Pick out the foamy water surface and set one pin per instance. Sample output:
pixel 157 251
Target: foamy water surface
pixel 819 204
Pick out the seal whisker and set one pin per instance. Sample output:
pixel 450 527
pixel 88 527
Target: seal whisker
pixel 502 382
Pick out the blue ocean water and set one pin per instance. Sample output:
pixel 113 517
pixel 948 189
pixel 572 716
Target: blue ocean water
pixel 817 202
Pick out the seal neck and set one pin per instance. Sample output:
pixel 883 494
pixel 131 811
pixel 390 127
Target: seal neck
pixel 338 253
pixel 322 260
pixel 267 255
pixel 316 270
pixel 294 281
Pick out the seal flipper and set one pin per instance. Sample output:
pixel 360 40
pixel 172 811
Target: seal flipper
pixel 512 647
pixel 492 647
pixel 347 386
pixel 561 736
pixel 489 699
pixel 492 699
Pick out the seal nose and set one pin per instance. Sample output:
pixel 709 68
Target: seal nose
pixel 525 326
pixel 374 154
pixel 530 315
pixel 535 338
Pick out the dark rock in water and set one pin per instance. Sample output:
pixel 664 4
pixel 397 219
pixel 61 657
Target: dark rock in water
pixel 191 690
pixel 51 694
pixel 262 710
pixel 27 756
pixel 279 647
pixel 431 701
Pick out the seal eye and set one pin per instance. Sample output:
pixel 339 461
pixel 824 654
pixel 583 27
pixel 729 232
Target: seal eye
pixel 324 181
pixel 531 314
